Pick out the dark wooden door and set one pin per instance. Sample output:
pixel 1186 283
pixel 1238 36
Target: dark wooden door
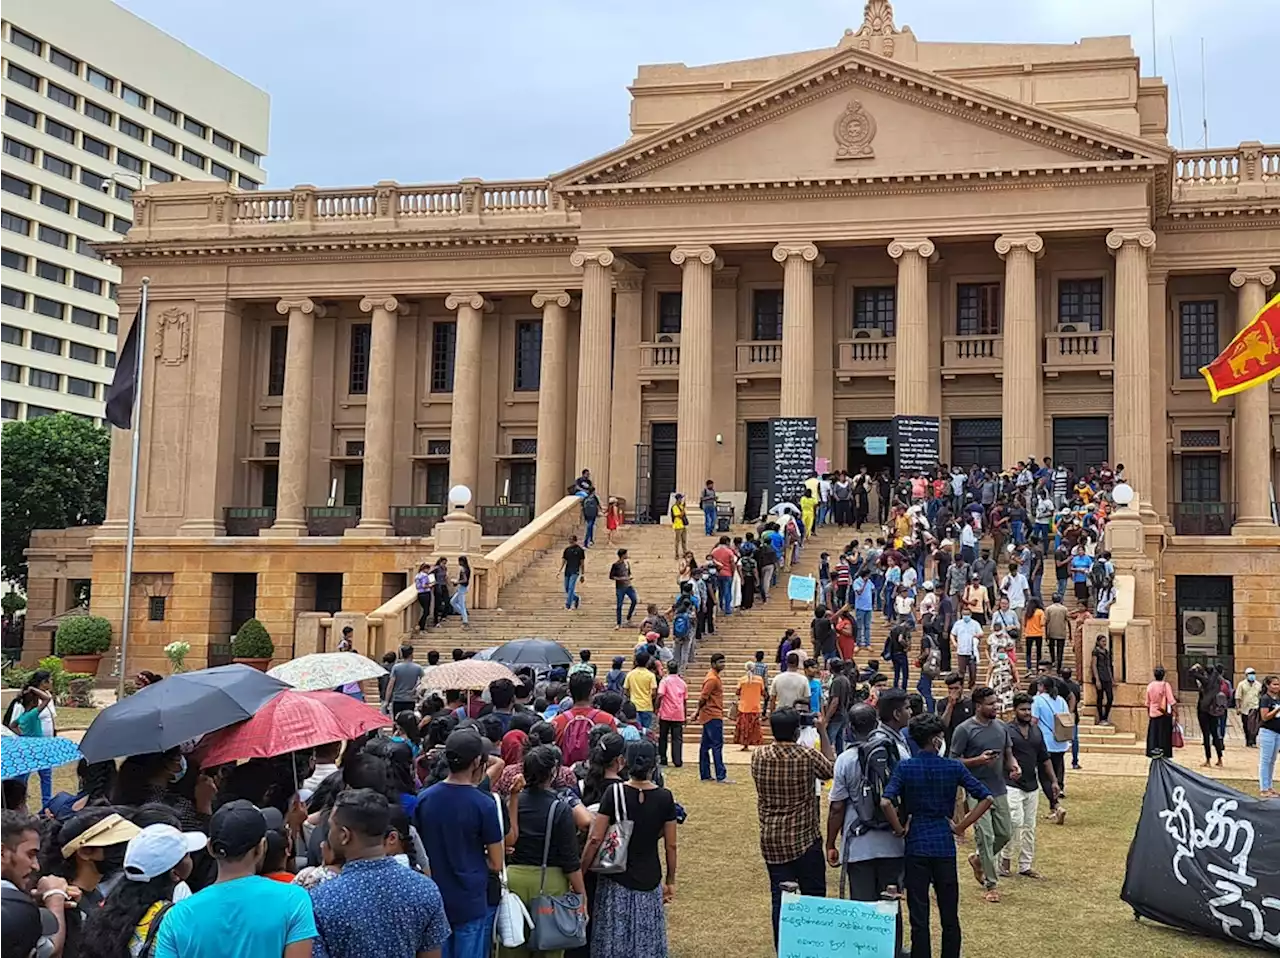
pixel 758 472
pixel 976 441
pixel 1080 442
pixel 662 466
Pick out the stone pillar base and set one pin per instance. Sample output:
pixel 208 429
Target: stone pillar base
pixel 370 530
pixel 285 529
pixel 1256 528
pixel 457 534
pixel 202 528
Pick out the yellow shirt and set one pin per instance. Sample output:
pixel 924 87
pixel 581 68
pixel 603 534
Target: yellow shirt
pixel 679 516
pixel 640 685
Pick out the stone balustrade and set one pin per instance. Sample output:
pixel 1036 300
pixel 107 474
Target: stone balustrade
pixel 866 357
pixel 1078 352
pixel 972 354
pixel 759 359
pixel 1251 169
pixel 659 361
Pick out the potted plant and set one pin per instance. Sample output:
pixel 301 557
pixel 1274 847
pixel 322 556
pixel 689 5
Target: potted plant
pixel 252 645
pixel 176 653
pixel 81 641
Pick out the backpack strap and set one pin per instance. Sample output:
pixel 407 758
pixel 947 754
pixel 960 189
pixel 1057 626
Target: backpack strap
pixel 149 946
pixel 546 846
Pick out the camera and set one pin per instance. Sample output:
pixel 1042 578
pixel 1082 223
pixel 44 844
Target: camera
pixel 806 719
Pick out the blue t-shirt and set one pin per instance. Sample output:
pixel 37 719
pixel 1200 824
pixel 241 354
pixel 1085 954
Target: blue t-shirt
pixel 1043 708
pixel 1080 566
pixel 29 725
pixel 862 601
pixel 251 917
pixel 815 696
pixel 455 823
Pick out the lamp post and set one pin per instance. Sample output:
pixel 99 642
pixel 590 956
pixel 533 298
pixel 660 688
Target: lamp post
pixel 458 533
pixel 1124 529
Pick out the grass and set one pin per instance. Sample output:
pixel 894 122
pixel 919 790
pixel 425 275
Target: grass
pixel 73 718
pixel 722 895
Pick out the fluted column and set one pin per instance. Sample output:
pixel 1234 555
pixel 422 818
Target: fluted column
pixel 911 374
pixel 595 365
pixel 464 421
pixel 798 260
pixel 295 418
pixel 1023 432
pixel 379 416
pixel 693 404
pixel 1132 362
pixel 551 396
pixel 1251 442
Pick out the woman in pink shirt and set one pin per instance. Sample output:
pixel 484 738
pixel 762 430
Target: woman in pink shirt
pixel 672 694
pixel 1162 710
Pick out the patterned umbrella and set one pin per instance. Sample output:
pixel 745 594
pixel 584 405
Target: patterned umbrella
pixel 326 670
pixel 20 756
pixel 467 674
pixel 292 720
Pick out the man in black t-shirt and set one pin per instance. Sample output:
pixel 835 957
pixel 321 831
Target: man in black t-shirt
pixel 1072 692
pixel 574 566
pixel 957 707
pixel 1024 793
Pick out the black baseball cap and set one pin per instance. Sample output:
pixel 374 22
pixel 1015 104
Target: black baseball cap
pixel 464 746
pixel 24 922
pixel 236 829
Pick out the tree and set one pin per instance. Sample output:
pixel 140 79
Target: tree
pixel 54 476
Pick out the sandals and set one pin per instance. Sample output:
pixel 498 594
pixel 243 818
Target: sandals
pixel 992 896
pixel 976 864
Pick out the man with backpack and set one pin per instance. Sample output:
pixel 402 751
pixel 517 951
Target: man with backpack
pixel 590 513
pixel 682 630
pixel 871 854
pixel 573 727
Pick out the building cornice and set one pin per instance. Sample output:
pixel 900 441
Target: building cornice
pixel 324 250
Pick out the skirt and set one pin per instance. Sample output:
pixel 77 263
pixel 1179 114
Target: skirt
pixel 628 924
pixel 748 729
pixel 523 880
pixel 1160 737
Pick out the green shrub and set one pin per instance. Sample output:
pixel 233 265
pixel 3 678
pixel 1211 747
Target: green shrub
pixel 16 677
pixel 252 642
pixel 83 635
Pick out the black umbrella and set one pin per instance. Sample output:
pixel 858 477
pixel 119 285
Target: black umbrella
pixel 536 652
pixel 180 708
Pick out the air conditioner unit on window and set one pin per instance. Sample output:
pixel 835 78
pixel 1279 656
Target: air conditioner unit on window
pixel 1070 328
pixel 1199 632
pixel 672 339
pixel 875 333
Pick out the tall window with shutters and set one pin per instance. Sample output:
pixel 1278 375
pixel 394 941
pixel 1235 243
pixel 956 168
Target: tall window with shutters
pixel 276 358
pixel 978 309
pixel 358 364
pixel 444 338
pixel 875 307
pixel 1080 303
pixel 766 314
pixel 1197 336
pixel 669 306
pixel 528 356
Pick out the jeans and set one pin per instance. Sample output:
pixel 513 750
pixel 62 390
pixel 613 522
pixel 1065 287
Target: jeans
pixel 809 871
pixel 1268 748
pixel 46 786
pixel 1032 661
pixel 1041 531
pixel 624 592
pixel 725 585
pixel 1209 734
pixel 683 651
pixel 900 670
pixel 571 589
pixel 766 580
pixel 993 831
pixel 673 731
pixel 1018 527
pixel 459 603
pixel 1106 695
pixel 863 619
pixel 867 879
pixel 919 874
pixel 645 719
pixel 1057 649
pixel 470 940
pixel 967 666
pixel 1024 808
pixel 712 747
pixel 1058 762
pixel 590 536
pixel 424 603
pixel 1075 745
pixel 709 520
pixel 924 685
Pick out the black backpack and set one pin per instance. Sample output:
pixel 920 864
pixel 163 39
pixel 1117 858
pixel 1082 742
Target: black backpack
pixel 660 626
pixel 877 758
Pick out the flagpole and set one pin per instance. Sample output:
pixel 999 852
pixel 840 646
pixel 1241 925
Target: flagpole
pixel 136 419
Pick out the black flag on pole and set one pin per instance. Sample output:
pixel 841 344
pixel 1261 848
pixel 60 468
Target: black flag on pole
pixel 121 391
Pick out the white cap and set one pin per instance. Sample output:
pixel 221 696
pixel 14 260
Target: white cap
pixel 158 848
pixel 1250 671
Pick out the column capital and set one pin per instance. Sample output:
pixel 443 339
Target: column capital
pixel 1031 242
pixel 1143 238
pixel 1263 275
pixel 601 257
pixel 805 250
pixel 702 254
pixel 286 306
pixel 725 277
pixel 474 300
pixel 920 244
pixel 546 297
pixel 388 303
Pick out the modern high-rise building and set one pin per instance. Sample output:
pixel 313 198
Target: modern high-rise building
pixel 97 104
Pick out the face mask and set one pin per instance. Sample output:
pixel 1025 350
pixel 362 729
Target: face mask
pixel 182 770
pixel 402 859
pixel 112 860
pixel 967 616
pixel 1251 679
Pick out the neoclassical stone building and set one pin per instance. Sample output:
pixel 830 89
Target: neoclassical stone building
pixel 996 235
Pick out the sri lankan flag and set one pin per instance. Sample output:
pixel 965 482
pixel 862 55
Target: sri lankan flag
pixel 1252 358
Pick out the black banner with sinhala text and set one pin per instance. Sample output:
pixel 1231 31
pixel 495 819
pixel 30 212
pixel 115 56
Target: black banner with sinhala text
pixel 916 441
pixel 793 444
pixel 1206 858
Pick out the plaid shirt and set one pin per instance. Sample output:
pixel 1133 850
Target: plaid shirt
pixel 926 785
pixel 786 774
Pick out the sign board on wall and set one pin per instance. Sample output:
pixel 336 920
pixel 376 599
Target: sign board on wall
pixel 793 444
pixel 916 441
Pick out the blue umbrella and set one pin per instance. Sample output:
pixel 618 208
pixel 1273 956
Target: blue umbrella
pixel 20 756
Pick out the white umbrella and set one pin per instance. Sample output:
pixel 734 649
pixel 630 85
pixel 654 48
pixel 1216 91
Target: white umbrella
pixel 782 507
pixel 326 670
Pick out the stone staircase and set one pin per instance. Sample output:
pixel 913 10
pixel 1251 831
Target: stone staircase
pixel 533 606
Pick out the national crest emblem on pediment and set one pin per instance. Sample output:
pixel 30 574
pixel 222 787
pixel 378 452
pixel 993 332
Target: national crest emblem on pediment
pixel 854 131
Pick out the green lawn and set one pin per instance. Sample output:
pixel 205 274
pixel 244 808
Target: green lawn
pixel 72 718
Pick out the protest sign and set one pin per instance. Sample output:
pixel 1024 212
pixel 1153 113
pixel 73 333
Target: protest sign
pixel 811 927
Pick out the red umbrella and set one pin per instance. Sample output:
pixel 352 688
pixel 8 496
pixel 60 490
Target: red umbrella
pixel 292 720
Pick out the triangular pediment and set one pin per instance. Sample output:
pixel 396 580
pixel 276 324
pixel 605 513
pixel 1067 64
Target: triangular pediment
pixel 858 115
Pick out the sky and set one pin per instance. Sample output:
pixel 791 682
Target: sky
pixel 424 91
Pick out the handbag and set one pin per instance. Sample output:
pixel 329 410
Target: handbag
pixel 558 920
pixel 512 917
pixel 1176 739
pixel 611 859
pixel 1064 724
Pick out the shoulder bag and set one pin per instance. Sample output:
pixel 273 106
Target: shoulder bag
pixel 611 859
pixel 512 917
pixel 1064 724
pixel 558 920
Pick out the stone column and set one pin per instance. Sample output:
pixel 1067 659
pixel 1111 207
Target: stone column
pixel 1132 362
pixel 798 260
pixel 464 421
pixel 1251 441
pixel 1023 433
pixel 911 372
pixel 295 418
pixel 595 365
pixel 1158 309
pixel 379 417
pixel 551 397
pixel 624 432
pixel 693 405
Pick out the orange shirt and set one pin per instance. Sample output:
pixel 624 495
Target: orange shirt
pixel 750 693
pixel 712 696
pixel 1035 624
